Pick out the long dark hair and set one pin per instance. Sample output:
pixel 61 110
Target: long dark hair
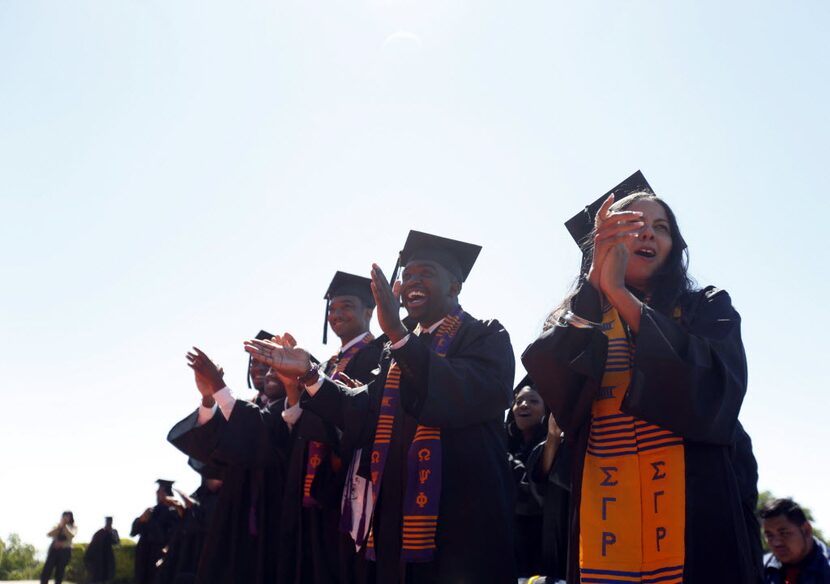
pixel 71 517
pixel 671 283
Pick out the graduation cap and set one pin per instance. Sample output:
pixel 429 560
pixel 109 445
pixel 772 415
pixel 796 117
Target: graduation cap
pixel 581 225
pixel 165 485
pixel 344 284
pixel 457 257
pixel 262 336
pixel 525 382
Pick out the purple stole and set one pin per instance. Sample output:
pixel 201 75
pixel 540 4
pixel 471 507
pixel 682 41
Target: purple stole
pixel 423 486
pixel 317 451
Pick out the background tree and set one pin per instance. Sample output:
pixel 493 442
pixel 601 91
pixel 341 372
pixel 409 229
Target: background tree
pixel 18 560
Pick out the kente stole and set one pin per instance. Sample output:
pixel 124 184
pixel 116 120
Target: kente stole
pixel 633 509
pixel 317 451
pixel 423 487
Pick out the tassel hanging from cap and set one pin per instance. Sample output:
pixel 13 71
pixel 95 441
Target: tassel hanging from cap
pixel 326 322
pixel 395 270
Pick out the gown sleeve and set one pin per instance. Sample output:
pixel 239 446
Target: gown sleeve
pixel 471 386
pixel 690 376
pixel 249 438
pixel 566 363
pixel 352 410
pixel 138 528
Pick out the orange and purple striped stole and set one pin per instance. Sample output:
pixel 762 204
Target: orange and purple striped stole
pixel 423 488
pixel 632 511
pixel 318 451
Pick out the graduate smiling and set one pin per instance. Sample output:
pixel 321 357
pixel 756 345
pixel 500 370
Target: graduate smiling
pixel 438 499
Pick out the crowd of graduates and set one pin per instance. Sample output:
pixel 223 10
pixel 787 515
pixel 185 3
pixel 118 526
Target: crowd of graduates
pixel 411 457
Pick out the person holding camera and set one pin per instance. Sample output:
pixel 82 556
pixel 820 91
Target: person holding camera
pixel 60 550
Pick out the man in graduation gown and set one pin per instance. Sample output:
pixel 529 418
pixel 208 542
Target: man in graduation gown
pixel 317 550
pixel 181 561
pixel 242 540
pixel 154 528
pixel 438 502
pixel 688 377
pixel 99 559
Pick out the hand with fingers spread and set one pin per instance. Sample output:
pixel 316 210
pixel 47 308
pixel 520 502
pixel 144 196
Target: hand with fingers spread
pixel 388 303
pixel 281 353
pixel 209 377
pixel 611 230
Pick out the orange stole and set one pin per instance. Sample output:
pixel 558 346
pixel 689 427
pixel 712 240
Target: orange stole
pixel 633 506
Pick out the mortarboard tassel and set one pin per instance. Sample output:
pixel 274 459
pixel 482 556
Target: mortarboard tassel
pixel 250 364
pixel 326 323
pixel 395 271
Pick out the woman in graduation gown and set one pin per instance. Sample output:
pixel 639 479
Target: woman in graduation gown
pixel 646 375
pixel 526 428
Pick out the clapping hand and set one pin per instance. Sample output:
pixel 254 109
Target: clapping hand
pixel 612 275
pixel 209 377
pixel 611 231
pixel 388 302
pixel 281 353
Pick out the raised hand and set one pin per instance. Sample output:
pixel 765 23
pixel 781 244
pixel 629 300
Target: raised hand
pixel 281 353
pixel 348 381
pixel 612 275
pixel 553 427
pixel 188 501
pixel 388 303
pixel 209 377
pixel 611 229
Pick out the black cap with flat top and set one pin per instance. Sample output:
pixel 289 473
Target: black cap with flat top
pixel 525 382
pixel 581 224
pixel 262 336
pixel 457 257
pixel 345 284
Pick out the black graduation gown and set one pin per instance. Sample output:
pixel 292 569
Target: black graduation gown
pixel 527 517
pixel 316 551
pixel 99 559
pixel 182 559
pixel 465 394
pixel 242 540
pixel 689 377
pixel 555 498
pixel 153 537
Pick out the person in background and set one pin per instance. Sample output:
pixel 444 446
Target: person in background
pixel 526 427
pixel 797 556
pixel 181 561
pixel 99 559
pixel 154 528
pixel 552 490
pixel 60 550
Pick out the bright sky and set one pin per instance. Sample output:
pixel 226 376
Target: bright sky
pixel 179 173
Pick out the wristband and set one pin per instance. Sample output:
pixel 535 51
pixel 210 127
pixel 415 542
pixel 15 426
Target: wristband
pixel 310 377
